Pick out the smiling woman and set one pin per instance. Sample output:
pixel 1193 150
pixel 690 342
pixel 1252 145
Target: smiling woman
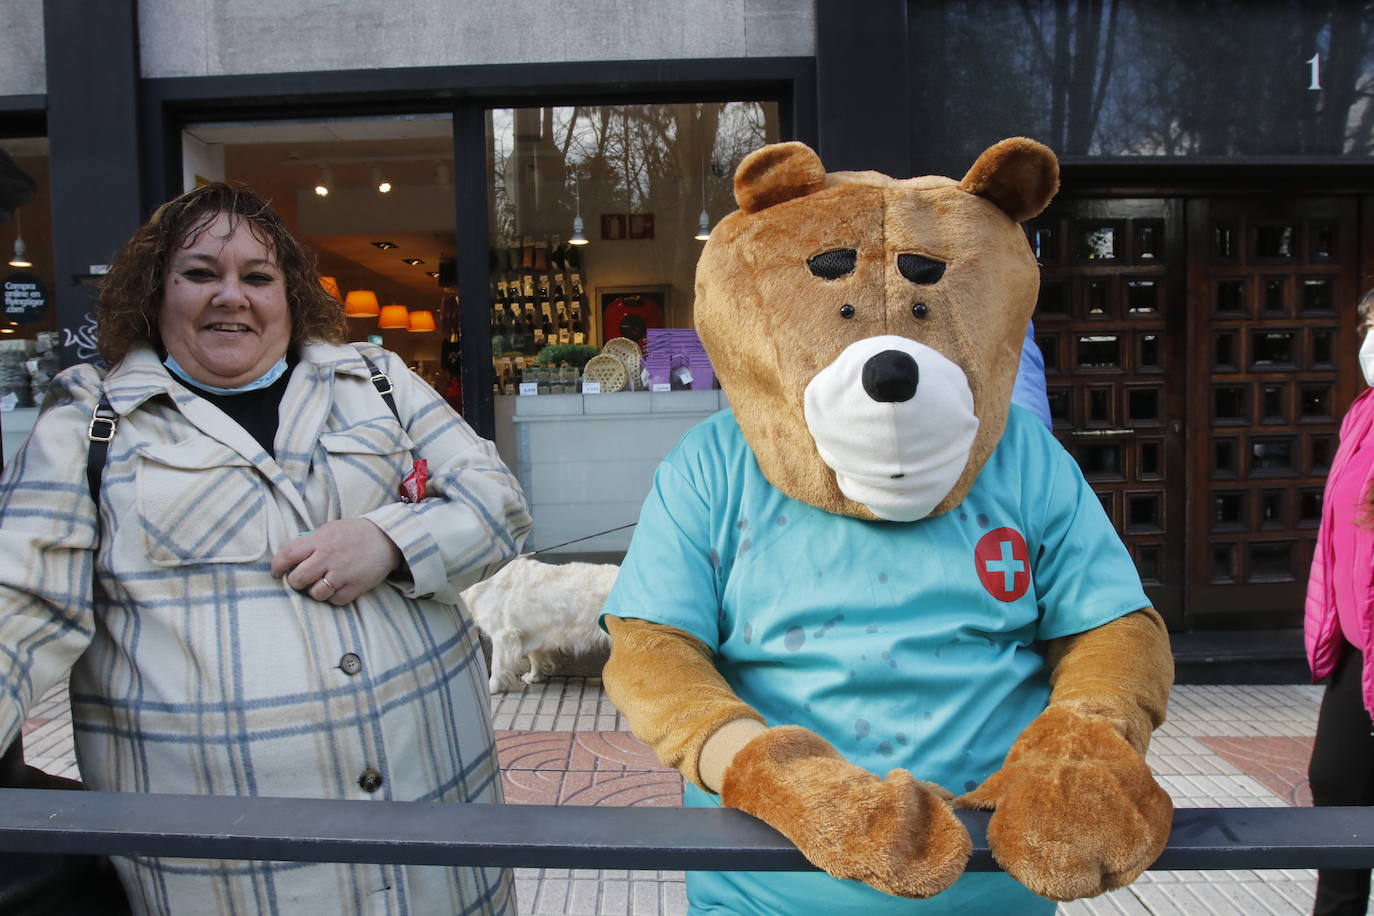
pixel 247 606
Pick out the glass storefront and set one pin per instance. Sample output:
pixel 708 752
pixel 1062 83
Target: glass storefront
pixel 597 216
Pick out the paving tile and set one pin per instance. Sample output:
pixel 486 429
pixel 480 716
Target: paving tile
pixel 1280 764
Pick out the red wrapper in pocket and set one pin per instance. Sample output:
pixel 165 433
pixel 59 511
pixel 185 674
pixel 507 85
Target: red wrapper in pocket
pixel 413 487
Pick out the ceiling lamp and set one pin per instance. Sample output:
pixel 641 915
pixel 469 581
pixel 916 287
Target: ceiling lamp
pixel 703 221
pixel 384 245
pixel 361 303
pixel 422 320
pixel 331 286
pixel 20 258
pixel 413 261
pixel 394 316
pixel 578 237
pixel 383 186
pixel 326 179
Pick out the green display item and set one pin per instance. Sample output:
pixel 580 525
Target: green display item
pixel 572 354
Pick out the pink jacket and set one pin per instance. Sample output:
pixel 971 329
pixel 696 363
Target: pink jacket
pixel 1322 626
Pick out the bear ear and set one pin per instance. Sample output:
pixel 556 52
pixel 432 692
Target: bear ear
pixel 776 173
pixel 1019 175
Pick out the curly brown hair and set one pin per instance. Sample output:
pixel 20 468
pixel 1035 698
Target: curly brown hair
pixel 131 293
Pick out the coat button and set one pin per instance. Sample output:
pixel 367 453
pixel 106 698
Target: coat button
pixel 351 664
pixel 370 781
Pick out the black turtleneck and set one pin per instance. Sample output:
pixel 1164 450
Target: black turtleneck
pixel 257 410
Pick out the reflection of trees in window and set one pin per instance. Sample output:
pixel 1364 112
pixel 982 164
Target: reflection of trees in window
pixel 1146 77
pixel 625 159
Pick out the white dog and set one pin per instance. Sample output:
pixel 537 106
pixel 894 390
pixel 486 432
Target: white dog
pixel 538 609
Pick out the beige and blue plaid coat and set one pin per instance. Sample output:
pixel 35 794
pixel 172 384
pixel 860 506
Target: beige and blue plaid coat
pixel 193 670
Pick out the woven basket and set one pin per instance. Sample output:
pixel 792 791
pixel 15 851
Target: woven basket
pixel 606 369
pixel 628 352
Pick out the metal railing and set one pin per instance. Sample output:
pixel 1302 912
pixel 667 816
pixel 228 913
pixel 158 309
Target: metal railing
pixel 677 839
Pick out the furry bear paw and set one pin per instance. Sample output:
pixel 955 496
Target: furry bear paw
pixel 1076 811
pixel 896 834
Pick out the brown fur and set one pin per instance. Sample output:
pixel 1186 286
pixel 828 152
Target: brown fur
pixel 1077 811
pixel 896 834
pixel 666 684
pixel 770 326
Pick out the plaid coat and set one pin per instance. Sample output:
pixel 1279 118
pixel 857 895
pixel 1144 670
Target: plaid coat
pixel 193 670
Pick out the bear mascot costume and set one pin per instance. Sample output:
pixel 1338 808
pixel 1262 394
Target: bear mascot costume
pixel 873 583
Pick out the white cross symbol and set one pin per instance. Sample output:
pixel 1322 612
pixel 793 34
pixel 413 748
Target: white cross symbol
pixel 1008 566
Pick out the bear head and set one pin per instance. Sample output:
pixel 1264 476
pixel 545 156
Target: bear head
pixel 867 330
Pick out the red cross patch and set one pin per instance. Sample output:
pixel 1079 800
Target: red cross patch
pixel 1003 563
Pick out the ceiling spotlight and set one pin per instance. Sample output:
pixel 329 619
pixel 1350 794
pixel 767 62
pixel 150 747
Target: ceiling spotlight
pixel 384 245
pixel 326 179
pixel 413 261
pixel 431 273
pixel 383 186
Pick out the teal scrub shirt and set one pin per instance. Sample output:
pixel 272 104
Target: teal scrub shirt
pixel 904 644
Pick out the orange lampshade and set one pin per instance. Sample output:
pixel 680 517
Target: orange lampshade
pixel 331 286
pixel 394 316
pixel 422 320
pixel 361 303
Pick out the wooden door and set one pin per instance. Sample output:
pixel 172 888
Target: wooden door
pixel 1111 322
pixel 1272 287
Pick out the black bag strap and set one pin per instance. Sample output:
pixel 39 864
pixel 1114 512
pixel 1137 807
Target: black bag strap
pixel 383 383
pixel 104 422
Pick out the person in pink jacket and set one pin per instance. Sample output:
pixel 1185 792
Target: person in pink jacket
pixel 1339 629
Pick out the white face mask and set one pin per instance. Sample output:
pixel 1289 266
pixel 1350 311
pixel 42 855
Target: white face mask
pixel 1367 357
pixel 897 458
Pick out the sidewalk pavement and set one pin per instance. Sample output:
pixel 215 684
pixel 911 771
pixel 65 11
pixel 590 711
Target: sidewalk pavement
pixel 564 743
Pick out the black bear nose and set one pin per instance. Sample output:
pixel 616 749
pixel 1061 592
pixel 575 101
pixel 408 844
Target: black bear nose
pixel 891 376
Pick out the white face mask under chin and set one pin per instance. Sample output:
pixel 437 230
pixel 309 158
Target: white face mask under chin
pixel 1367 358
pixel 901 458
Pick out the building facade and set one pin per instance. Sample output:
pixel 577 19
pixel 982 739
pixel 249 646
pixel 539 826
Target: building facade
pixel 1200 266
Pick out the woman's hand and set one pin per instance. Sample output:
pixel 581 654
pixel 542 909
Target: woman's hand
pixel 338 561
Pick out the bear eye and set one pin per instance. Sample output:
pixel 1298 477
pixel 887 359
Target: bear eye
pixel 833 264
pixel 919 310
pixel 846 311
pixel 920 269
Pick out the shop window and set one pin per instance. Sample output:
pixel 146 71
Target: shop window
pixel 30 344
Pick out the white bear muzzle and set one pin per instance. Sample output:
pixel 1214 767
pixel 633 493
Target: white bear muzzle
pixel 894 420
